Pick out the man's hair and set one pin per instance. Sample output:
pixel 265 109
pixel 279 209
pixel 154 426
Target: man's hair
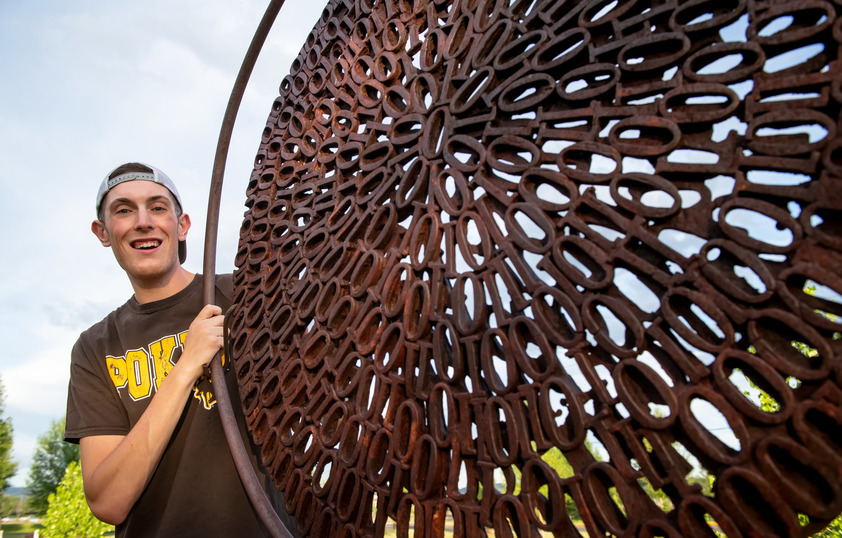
pixel 134 167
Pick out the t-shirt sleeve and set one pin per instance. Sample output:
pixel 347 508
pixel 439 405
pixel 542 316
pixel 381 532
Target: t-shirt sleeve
pixel 224 289
pixel 93 405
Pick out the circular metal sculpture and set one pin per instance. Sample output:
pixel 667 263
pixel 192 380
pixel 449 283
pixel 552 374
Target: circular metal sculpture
pixel 507 265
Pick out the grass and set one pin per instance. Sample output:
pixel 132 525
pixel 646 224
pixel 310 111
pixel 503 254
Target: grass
pixel 13 529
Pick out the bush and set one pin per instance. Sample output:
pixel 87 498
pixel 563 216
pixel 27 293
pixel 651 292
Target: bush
pixel 68 513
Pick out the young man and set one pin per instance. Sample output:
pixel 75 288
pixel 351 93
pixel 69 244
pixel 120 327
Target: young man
pixel 155 461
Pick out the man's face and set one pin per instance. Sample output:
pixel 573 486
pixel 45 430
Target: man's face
pixel 141 225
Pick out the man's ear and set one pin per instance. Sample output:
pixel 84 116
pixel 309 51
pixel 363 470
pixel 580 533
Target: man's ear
pixel 98 228
pixel 183 226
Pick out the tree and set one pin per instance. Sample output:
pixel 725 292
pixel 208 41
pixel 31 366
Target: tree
pixel 68 513
pixel 10 505
pixel 555 458
pixel 51 458
pixel 557 461
pixel 7 466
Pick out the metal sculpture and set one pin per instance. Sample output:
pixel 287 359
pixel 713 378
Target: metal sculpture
pixel 481 234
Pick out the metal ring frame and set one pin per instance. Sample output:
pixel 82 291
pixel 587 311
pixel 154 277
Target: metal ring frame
pixel 250 481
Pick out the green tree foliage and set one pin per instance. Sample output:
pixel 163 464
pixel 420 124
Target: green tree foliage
pixel 834 530
pixel 7 466
pixel 9 505
pixel 51 458
pixel 555 459
pixel 68 513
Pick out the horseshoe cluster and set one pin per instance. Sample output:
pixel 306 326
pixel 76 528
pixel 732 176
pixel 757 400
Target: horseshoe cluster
pixel 550 266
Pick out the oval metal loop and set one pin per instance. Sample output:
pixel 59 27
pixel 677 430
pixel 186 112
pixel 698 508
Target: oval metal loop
pixel 759 373
pixel 641 389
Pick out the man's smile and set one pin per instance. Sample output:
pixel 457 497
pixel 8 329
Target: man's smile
pixel 146 244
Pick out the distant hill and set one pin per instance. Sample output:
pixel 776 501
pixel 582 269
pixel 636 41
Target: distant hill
pixel 15 491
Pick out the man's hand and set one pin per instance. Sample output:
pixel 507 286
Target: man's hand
pixel 204 340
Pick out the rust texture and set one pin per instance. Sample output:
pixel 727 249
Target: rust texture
pixel 485 238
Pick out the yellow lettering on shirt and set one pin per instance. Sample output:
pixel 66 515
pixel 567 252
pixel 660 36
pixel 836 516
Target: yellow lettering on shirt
pixel 162 354
pixel 203 393
pixel 117 370
pixel 143 370
pixel 140 377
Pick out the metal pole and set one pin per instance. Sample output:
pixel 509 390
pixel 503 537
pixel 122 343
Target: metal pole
pixel 250 481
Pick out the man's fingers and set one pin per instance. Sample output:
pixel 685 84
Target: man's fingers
pixel 209 311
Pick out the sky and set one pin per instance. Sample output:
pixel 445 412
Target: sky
pixel 86 86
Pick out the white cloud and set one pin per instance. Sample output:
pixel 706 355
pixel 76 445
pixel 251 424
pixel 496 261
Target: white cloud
pixel 37 382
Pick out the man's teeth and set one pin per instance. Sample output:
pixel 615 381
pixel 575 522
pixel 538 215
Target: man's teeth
pixel 146 244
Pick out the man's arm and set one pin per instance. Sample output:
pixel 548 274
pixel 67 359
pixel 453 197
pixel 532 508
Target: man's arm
pixel 116 468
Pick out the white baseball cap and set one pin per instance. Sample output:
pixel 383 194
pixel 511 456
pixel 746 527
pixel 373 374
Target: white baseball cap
pixel 141 172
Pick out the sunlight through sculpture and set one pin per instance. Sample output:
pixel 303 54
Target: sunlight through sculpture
pixel 507 265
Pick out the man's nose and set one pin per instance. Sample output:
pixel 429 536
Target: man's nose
pixel 144 219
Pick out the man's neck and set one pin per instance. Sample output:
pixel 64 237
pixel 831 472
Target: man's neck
pixel 161 288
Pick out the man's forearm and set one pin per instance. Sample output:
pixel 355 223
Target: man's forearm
pixel 116 469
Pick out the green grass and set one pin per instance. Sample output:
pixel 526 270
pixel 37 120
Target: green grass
pixel 21 528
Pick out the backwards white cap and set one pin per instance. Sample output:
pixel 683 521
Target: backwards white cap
pixel 155 175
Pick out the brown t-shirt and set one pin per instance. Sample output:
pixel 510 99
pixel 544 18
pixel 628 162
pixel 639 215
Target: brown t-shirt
pixel 116 367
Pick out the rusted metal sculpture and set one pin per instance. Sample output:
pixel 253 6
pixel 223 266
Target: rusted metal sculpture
pixel 482 234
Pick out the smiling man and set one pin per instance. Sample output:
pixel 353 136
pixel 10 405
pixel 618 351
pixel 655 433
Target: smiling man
pixel 155 461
